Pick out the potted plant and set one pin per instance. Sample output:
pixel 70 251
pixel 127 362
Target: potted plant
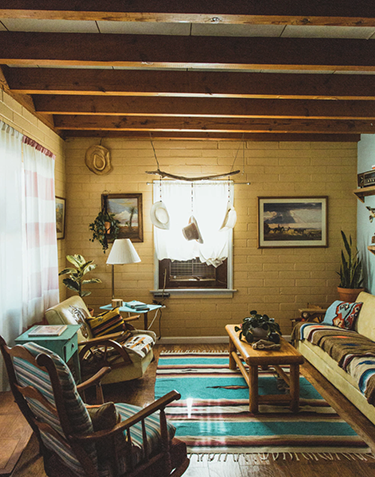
pixel 258 326
pixel 76 275
pixel 350 271
pixel 104 227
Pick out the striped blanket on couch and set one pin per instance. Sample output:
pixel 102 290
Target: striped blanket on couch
pixel 353 352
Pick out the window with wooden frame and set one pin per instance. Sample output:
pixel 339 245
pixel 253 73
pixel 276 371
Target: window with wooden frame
pixel 183 264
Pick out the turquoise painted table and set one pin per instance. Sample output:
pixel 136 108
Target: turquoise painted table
pixel 128 307
pixel 65 345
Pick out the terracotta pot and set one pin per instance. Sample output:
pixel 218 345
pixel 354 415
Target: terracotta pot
pixel 349 294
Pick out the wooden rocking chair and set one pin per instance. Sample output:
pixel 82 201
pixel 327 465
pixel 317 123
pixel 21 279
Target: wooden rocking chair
pixel 114 440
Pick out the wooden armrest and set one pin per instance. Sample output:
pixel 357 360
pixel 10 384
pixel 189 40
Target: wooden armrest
pixel 112 336
pixel 94 380
pixel 107 343
pixel 139 416
pixel 131 318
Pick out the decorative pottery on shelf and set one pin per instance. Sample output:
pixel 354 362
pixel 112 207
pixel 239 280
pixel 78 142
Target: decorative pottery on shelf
pixel 349 294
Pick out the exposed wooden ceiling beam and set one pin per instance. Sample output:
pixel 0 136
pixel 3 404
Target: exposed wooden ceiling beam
pixel 129 123
pixel 208 136
pixel 314 12
pixel 27 102
pixel 190 83
pixel 205 107
pixel 145 51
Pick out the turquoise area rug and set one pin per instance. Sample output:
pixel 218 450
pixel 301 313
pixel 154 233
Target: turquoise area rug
pixel 213 415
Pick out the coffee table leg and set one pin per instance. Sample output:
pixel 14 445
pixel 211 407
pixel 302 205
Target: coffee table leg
pixel 294 387
pixel 253 389
pixel 232 349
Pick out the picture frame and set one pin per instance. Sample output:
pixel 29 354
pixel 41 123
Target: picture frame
pixel 292 222
pixel 60 217
pixel 128 210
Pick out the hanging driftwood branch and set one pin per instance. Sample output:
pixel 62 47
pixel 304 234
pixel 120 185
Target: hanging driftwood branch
pixel 191 179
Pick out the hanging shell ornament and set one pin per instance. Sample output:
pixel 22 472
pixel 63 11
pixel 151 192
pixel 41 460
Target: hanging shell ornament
pixel 98 160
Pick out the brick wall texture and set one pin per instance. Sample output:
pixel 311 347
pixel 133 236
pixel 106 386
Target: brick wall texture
pixel 275 281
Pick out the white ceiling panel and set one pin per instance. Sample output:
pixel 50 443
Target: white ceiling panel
pixel 144 28
pixel 63 26
pixel 297 31
pixel 218 29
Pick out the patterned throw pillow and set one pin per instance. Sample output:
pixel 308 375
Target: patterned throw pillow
pixel 106 323
pixel 342 314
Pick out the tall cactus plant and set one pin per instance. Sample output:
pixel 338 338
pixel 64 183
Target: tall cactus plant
pixel 351 266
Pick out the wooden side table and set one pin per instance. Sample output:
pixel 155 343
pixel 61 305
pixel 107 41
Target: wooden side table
pixel 286 355
pixel 65 345
pixel 312 313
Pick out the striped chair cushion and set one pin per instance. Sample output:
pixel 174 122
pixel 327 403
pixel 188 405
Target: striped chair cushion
pixel 153 438
pixel 106 323
pixel 29 375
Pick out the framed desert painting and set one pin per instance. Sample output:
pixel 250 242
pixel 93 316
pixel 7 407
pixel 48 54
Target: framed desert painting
pixel 60 217
pixel 128 210
pixel 292 222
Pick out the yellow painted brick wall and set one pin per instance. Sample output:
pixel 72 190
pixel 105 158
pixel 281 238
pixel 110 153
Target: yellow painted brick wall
pixel 273 281
pixel 12 113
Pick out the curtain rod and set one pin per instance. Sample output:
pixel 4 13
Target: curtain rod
pixel 198 182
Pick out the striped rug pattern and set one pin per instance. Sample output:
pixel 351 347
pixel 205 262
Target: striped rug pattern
pixel 213 414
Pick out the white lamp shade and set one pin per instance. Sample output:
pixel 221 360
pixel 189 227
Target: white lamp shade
pixel 122 252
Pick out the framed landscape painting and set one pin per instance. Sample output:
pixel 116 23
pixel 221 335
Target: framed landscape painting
pixel 292 222
pixel 128 210
pixel 60 217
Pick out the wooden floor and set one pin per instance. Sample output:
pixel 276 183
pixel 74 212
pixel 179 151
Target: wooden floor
pixel 141 392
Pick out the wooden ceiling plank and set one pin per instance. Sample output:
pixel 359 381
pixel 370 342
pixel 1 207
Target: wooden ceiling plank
pixel 129 123
pixel 190 84
pixel 145 51
pixel 315 12
pixel 209 136
pixel 204 107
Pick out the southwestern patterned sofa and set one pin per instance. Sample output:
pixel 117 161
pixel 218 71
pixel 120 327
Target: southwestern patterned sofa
pixel 346 357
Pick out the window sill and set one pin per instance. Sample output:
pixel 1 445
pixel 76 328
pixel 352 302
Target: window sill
pixel 196 292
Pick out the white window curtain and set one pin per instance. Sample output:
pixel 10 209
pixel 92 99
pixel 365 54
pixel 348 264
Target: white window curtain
pixel 41 285
pixel 11 291
pixel 207 201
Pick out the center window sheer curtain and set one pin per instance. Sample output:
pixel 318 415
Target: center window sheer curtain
pixel 207 202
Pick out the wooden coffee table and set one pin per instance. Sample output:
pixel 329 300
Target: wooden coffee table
pixel 287 355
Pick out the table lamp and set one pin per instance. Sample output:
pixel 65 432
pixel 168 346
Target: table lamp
pixel 122 252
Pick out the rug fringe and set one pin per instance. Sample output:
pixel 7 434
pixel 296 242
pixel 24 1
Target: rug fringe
pixel 254 457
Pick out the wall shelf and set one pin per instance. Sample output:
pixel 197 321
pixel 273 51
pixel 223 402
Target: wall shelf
pixel 365 191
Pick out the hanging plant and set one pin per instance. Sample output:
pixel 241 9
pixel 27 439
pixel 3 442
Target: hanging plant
pixel 105 227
